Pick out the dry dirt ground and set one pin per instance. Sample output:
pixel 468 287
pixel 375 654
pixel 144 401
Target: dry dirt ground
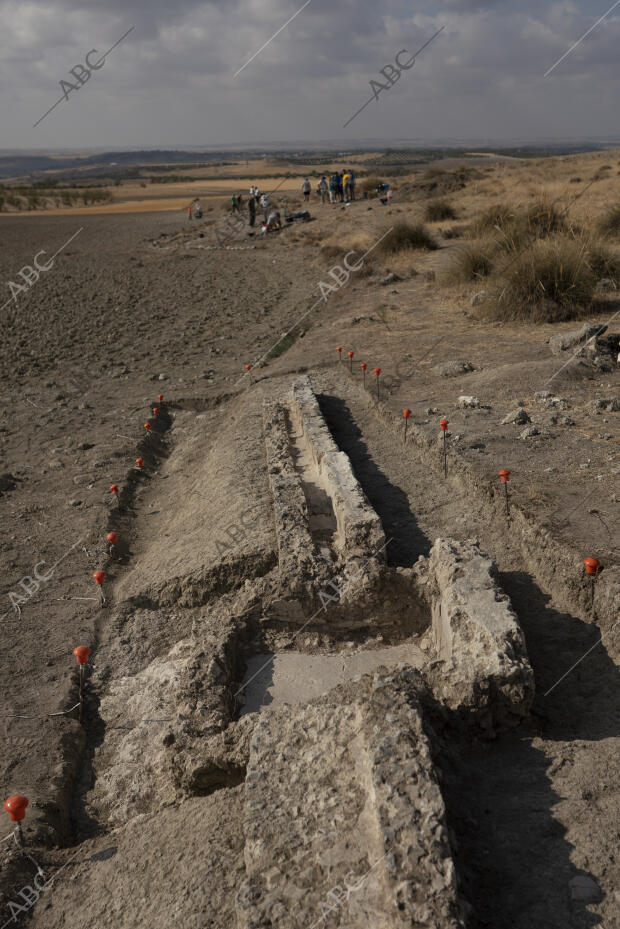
pixel 137 305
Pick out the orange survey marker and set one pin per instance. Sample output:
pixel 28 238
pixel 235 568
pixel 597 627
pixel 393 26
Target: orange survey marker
pixel 406 415
pixel 99 577
pixel 15 806
pixel 505 476
pixel 377 373
pixel 444 428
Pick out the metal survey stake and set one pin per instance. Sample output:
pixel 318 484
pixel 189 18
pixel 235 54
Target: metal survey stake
pixel 81 653
pixel 363 366
pixel 444 428
pixel 406 415
pixel 592 566
pixel 99 577
pixel 505 476
pixel 377 373
pixel 350 357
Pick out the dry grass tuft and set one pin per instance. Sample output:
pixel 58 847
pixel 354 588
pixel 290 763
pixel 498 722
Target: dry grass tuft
pixel 550 282
pixel 495 217
pixel 609 223
pixel 438 210
pixel 605 263
pixel 471 261
pixel 404 236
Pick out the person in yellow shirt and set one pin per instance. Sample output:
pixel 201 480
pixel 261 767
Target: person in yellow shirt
pixel 346 183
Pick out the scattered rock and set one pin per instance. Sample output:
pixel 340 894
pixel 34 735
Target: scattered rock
pixel 566 340
pixel 611 404
pixel 391 278
pixel 75 502
pixel 529 432
pixel 479 298
pixel 468 403
pixel 453 368
pixel 557 403
pixel 519 417
pixel 541 395
pixel 558 420
pixel 362 319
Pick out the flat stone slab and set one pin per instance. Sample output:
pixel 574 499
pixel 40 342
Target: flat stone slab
pixel 344 819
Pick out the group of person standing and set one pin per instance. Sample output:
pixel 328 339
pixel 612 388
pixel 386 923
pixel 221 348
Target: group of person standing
pixel 271 216
pixel 340 188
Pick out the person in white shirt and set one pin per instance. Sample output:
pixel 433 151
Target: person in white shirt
pixel 252 192
pixel 265 204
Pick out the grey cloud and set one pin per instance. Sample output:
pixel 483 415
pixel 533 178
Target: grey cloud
pixel 172 81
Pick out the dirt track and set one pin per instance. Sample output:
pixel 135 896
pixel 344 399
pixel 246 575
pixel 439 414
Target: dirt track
pixel 82 355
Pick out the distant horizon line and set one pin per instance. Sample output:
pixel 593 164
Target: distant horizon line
pixel 360 144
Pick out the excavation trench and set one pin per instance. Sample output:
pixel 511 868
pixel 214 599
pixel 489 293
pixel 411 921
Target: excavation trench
pixel 260 696
pixel 322 521
pixel 515 859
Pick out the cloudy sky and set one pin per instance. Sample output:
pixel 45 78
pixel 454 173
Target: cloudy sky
pixel 173 81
